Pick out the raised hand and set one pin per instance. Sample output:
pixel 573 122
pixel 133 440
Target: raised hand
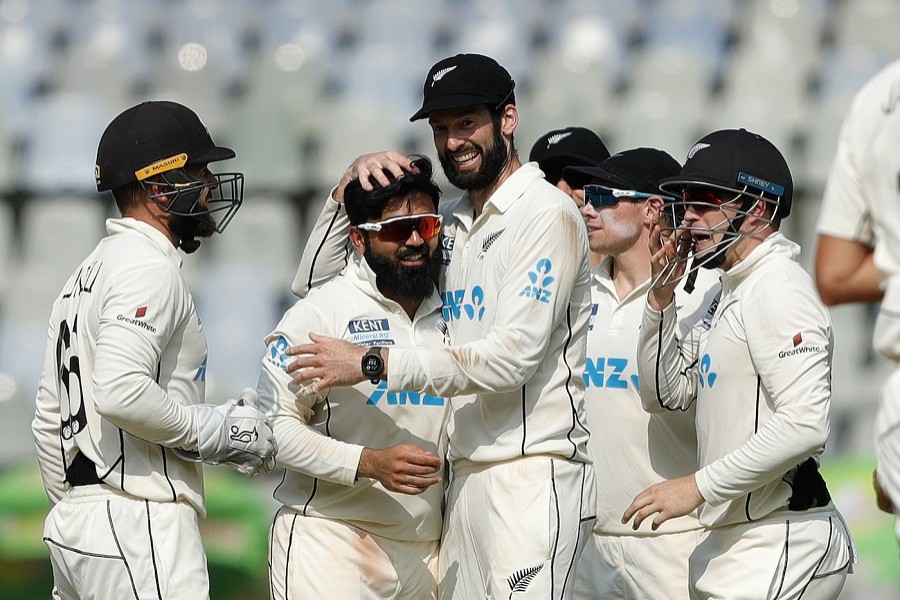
pixel 376 166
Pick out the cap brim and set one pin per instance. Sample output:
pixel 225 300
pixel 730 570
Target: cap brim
pixel 582 176
pixel 214 154
pixel 450 101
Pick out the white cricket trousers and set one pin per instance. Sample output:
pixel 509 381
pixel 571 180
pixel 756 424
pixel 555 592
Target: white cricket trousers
pixel 636 567
pixel 105 544
pixel 312 558
pixel 785 556
pixel 515 528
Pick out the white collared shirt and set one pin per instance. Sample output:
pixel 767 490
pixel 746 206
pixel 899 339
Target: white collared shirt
pixel 126 355
pixel 761 377
pixel 516 296
pixel 320 438
pixel 632 448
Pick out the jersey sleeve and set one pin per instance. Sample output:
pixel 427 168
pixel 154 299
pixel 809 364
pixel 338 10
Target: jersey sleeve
pixel 845 211
pixel 549 251
pixel 46 425
pixel 327 249
pixel 127 359
pixel 667 364
pixel 789 335
pixel 301 447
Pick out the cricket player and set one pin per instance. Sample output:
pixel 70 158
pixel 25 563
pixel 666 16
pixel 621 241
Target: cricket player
pixel 361 491
pixel 515 291
pixel 631 448
pixel 120 425
pixel 858 256
pixel 559 149
pixel 761 380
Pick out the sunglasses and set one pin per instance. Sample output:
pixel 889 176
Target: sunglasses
pixel 600 195
pixel 398 229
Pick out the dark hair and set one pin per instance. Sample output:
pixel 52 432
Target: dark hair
pixel 128 196
pixel 363 206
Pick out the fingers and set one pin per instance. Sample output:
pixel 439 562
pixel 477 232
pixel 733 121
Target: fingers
pixel 378 167
pixel 640 508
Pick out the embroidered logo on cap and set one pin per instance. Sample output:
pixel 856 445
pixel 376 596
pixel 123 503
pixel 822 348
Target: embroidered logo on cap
pixel 440 74
pixel 697 148
pixel 557 137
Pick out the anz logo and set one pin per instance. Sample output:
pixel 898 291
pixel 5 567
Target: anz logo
pixel 403 398
pixel 707 376
pixel 609 372
pixel 540 280
pixel 458 304
pixel 277 353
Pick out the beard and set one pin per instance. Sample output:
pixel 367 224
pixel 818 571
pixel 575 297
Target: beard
pixel 187 228
pixel 493 160
pixel 410 282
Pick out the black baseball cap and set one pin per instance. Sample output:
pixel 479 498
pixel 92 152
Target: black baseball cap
pixel 568 147
pixel 640 169
pixel 465 80
pixel 150 138
pixel 736 160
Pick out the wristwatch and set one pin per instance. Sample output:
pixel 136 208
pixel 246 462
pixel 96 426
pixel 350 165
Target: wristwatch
pixel 373 364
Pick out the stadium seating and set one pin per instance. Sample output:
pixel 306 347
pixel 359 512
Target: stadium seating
pixel 301 87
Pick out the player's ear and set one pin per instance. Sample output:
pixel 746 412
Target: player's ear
pixel 357 241
pixel 509 119
pixel 652 208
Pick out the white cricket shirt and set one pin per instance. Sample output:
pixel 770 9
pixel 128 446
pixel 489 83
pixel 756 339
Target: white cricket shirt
pixel 631 448
pixel 320 439
pixel 862 195
pixel 516 298
pixel 761 377
pixel 126 355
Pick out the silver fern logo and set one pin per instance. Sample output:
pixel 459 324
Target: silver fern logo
pixel 440 74
pixel 520 580
pixel 488 242
pixel 557 138
pixel 697 148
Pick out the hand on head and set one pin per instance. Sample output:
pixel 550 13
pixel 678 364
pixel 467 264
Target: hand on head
pixel 381 167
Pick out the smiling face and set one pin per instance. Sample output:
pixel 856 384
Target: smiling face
pixel 471 145
pixel 404 267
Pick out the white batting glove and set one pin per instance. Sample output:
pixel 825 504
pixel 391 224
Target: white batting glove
pixel 235 433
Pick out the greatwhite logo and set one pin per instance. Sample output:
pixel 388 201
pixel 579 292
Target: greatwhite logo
pixel 440 74
pixel 697 148
pixel 557 137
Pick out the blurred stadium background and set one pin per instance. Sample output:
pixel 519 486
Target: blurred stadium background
pixel 301 87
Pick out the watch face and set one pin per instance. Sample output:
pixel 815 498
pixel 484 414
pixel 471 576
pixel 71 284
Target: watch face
pixel 372 364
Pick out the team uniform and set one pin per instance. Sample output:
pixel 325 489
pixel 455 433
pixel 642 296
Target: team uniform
pixel 126 356
pixel 632 449
pixel 336 536
pixel 761 380
pixel 516 300
pixel 860 204
pixel 517 454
